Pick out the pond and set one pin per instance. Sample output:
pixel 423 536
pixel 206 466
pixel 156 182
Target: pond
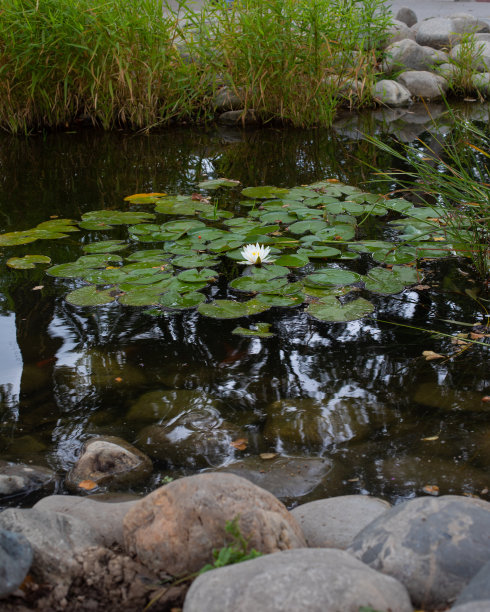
pixel 318 409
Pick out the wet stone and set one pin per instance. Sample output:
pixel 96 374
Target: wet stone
pixel 15 561
pixel 423 84
pixel 164 405
pixel 109 462
pixel 391 93
pixel 317 580
pixel 334 522
pixel 227 100
pixel 407 15
pixel 434 546
pixel 18 479
pixel 477 590
pixel 238 117
pixel 287 478
pixel 446 398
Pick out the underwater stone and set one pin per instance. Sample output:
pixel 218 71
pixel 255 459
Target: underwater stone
pixel 21 479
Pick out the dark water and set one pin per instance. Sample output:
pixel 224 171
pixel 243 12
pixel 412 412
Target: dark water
pixel 358 394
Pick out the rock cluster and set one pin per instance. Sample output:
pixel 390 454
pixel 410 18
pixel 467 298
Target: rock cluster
pixel 343 553
pixel 423 60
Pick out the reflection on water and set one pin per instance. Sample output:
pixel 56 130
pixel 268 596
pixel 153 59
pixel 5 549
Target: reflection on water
pixel 357 394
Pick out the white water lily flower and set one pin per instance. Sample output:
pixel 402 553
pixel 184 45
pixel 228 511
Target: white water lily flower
pixel 255 254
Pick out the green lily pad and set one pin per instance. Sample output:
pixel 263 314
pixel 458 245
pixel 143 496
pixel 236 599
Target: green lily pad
pixel 223 309
pixel 27 262
pixel 264 193
pixel 336 232
pixel 259 330
pixel 252 284
pixel 279 216
pixel 332 276
pixel 176 301
pixel 16 238
pixel 319 252
pixel 89 296
pixel 322 292
pixel 331 309
pixel 281 301
pixel 292 261
pixel 147 295
pixel 312 226
pixel 195 276
pixel 106 277
pixel 216 183
pixel 199 260
pixel 381 280
pixel 105 246
pixel 395 255
pixel 100 219
pixel 148 255
pixel 269 271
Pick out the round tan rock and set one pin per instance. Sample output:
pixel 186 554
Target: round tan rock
pixel 176 528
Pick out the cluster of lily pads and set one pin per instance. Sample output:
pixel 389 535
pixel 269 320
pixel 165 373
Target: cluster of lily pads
pixel 312 234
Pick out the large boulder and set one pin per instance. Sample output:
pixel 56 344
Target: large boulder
pixel 478 588
pixel 15 561
pixel 424 84
pixel 478 59
pixel 334 522
pixel 399 31
pixel 110 462
pixel 317 580
pixel 439 32
pixel 104 518
pixel 176 528
pixel 54 538
pixel 481 82
pixel 406 15
pixel 409 55
pixel 391 93
pixel 434 546
pixel 226 99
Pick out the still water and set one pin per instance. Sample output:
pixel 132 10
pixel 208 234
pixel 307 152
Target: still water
pixel 355 404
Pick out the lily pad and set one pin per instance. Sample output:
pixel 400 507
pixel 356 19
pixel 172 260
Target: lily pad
pixel 223 309
pixel 336 232
pixel 301 227
pixel 292 261
pixel 196 276
pixel 176 301
pixel 105 246
pixel 331 309
pixel 89 296
pixel 280 301
pixel 252 284
pixel 148 255
pixel 395 255
pixel 259 330
pixel 199 260
pixel 332 276
pixel 264 193
pixel 100 219
pixel 27 262
pixel 319 252
pixel 216 183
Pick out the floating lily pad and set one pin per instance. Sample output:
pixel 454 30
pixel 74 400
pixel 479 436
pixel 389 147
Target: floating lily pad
pixel 281 301
pixel 259 330
pixel 331 309
pixel 27 262
pixel 195 276
pixel 199 260
pixel 336 232
pixel 176 301
pixel 381 280
pixel 395 255
pixel 223 309
pixel 100 219
pixel 143 198
pixel 319 252
pixel 269 271
pixel 301 227
pixel 216 183
pixel 292 261
pixel 147 295
pixel 105 246
pixel 89 296
pixel 264 193
pixel 148 255
pixel 332 276
pixel 252 284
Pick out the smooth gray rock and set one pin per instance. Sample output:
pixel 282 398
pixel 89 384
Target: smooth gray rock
pixel 104 518
pixel 21 479
pixel 398 31
pixel 474 606
pixel 239 118
pixel 226 99
pixel 285 477
pixel 423 84
pixel 438 32
pixel 448 71
pixel 465 22
pixel 54 538
pixel 434 546
pixel 334 522
pixel 481 82
pixel 478 588
pixel 109 462
pixel 15 561
pixel 406 15
pixel 483 36
pixel 479 59
pixel 316 580
pixel 409 55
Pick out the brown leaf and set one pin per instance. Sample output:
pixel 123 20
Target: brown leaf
pixel 38 287
pixel 87 485
pixel 240 444
pixel 266 456
pixel 430 439
pixel 421 287
pixel 429 355
pixel 431 489
pixel 485 398
pixel 118 379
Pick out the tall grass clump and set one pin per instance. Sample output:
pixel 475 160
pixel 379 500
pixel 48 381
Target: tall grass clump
pixel 295 60
pixel 112 61
pixel 453 174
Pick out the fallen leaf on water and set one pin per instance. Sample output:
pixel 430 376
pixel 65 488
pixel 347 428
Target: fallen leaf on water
pixel 353 480
pixel 240 444
pixel 118 379
pixel 421 287
pixel 268 455
pixel 431 489
pixel 37 287
pixel 484 491
pixel 438 239
pixel 333 180
pixel 87 485
pixel 429 355
pixel 430 439
pixel 143 195
pixel 485 398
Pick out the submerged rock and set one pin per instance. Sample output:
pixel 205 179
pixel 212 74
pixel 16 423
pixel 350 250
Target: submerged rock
pixel 316 580
pixel 176 528
pixel 434 546
pixel 15 561
pixel 166 404
pixel 285 477
pixel 334 522
pixel 18 479
pixel 109 462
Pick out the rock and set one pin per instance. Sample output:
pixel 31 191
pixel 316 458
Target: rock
pixel 104 518
pixel 109 462
pixel 175 528
pixel 20 479
pixel 226 99
pixel 391 93
pixel 334 522
pixel 474 606
pixel 434 395
pixel 409 55
pixel 434 546
pixel 407 16
pixel 478 60
pixel 398 31
pixel 481 82
pixel 483 36
pixel 239 117
pixel 465 22
pixel 316 580
pixel 448 71
pixel 478 589
pixel 288 478
pixel 423 84
pixel 438 32
pixel 15 561
pixel 166 404
pixel 54 539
